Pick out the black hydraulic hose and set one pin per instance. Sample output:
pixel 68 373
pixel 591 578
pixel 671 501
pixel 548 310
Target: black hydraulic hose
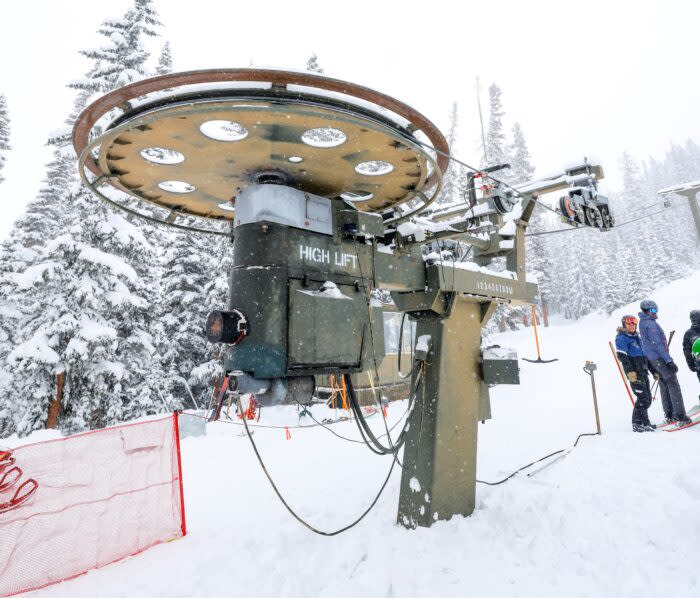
pixel 286 504
pixel 365 430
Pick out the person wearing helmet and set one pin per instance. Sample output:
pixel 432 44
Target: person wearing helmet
pixel 631 356
pixel 690 338
pixel 655 348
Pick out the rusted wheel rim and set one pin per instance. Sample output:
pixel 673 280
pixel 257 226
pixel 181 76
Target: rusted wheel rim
pixel 283 84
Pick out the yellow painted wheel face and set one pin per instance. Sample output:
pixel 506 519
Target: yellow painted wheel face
pixel 194 158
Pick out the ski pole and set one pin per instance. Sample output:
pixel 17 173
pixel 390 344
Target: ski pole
pixel 627 388
pixel 655 385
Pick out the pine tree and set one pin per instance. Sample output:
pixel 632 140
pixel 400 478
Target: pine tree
pixel 454 178
pixel 521 168
pixel 636 251
pixel 216 296
pixel 165 62
pixel 4 134
pixel 580 275
pixel 609 272
pixel 87 296
pixel 312 64
pixel 189 268
pixel 496 150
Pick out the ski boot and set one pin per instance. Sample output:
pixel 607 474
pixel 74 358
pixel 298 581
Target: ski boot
pixel 642 428
pixel 683 421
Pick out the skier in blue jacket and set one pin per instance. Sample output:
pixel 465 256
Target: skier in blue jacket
pixel 655 348
pixel 631 356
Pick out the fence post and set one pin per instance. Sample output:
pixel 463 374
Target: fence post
pixel 176 427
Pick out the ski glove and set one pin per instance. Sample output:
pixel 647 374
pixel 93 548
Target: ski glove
pixel 632 377
pixel 673 367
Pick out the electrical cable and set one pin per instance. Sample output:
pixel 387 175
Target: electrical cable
pixel 323 425
pixel 358 413
pixel 517 471
pixel 289 508
pixel 366 432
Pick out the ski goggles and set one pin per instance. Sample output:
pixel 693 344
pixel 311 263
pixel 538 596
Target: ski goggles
pixel 630 320
pixel 653 310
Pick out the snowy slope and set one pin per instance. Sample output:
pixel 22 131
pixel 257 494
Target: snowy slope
pixel 616 517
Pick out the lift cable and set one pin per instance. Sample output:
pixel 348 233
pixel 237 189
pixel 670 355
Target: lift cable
pixel 570 229
pixel 521 194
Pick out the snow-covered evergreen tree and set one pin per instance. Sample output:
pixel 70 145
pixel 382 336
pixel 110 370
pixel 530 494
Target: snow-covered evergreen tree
pixel 190 268
pixel 312 64
pixel 521 168
pixel 165 62
pixel 87 290
pixel 454 178
pixel 90 319
pixel 122 60
pixel 496 151
pixel 4 134
pixel 216 296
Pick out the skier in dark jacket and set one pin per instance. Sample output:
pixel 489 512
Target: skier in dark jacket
pixel 655 348
pixel 631 356
pixel 691 335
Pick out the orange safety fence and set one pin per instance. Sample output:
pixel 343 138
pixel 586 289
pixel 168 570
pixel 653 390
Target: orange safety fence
pixel 73 504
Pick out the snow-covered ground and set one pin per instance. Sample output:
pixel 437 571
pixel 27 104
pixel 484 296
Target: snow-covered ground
pixel 617 517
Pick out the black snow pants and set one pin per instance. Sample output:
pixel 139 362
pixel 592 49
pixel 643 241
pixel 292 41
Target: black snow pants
pixel 642 392
pixel 671 396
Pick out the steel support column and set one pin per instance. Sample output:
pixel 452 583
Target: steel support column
pixel 439 459
pixel 692 200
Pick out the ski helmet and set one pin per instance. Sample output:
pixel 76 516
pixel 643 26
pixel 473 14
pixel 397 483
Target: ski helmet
pixel 648 305
pixel 628 319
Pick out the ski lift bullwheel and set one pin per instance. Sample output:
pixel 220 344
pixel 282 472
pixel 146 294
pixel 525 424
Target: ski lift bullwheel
pixel 183 145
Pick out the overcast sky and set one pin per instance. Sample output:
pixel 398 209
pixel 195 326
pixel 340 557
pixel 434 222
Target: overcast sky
pixel 589 78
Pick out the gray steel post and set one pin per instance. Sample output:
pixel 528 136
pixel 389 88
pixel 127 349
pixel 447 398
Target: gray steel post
pixel 695 210
pixel 439 459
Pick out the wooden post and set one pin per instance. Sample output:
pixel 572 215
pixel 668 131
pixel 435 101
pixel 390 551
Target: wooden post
pixel 545 311
pixel 591 368
pixel 55 404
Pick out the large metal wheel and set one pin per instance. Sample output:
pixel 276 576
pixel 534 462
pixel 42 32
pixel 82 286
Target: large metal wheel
pixel 572 210
pixel 608 220
pixel 186 143
pixel 593 217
